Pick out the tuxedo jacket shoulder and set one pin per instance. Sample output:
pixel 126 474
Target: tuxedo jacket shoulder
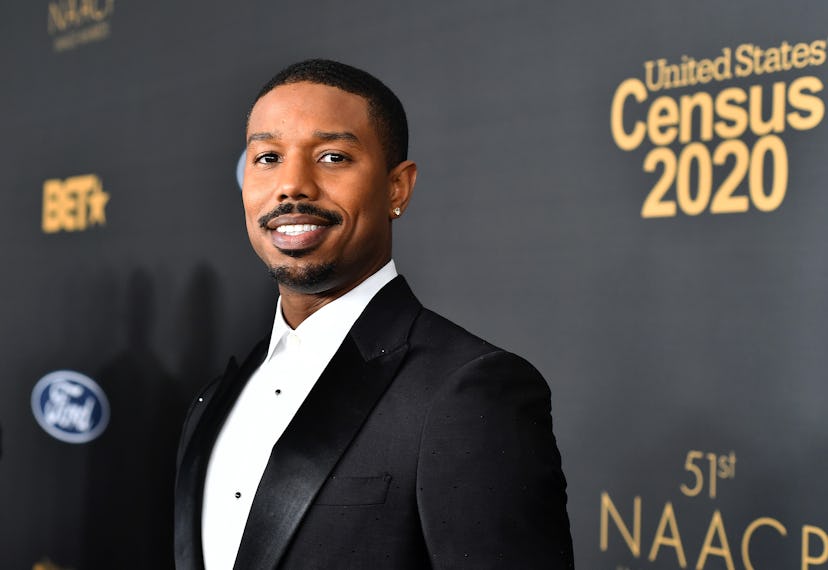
pixel 420 446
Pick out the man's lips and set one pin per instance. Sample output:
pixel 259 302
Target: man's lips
pixel 292 232
pixel 295 228
pixel 280 223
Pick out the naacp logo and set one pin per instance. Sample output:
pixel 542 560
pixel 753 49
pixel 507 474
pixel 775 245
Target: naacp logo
pixel 70 407
pixel 73 23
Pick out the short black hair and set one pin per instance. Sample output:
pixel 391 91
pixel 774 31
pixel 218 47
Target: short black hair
pixel 384 108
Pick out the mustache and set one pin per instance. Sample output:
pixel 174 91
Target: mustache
pixel 302 208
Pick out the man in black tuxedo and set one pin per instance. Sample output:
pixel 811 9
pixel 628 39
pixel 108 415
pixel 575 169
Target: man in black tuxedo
pixel 367 432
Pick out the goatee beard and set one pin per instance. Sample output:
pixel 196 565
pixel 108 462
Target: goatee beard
pixel 307 278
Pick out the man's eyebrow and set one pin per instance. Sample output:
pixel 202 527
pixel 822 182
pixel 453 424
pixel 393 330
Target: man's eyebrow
pixel 324 135
pixel 336 136
pixel 263 137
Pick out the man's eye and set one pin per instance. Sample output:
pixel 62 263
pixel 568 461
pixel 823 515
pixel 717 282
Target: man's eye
pixel 267 158
pixel 333 157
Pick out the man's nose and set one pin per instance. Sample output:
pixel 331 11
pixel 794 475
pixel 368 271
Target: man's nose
pixel 295 180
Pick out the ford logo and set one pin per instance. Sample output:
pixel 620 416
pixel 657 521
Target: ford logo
pixel 240 169
pixel 71 407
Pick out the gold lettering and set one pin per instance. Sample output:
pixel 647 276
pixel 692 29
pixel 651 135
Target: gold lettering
pixel 73 204
pixel 97 202
pixel 652 85
pixel 800 55
pixel 767 202
pixel 662 117
pixel 77 22
pixel 752 527
pixel 744 66
pixel 608 510
pixel 728 109
pixel 76 195
pixel 668 517
pixel 814 106
pixel 722 65
pixel 70 12
pixel 629 88
pixel 773 61
pixel 53 207
pixel 90 11
pixel 57 22
pixel 785 51
pixel 757 54
pixel 672 75
pixel 807 559
pixel 704 71
pixel 716 528
pixel 776 122
pixel 704 103
pixel 818 52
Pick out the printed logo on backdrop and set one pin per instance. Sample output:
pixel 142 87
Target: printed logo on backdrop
pixel 72 23
pixel 719 148
pixel 47 564
pixel 70 406
pixel 74 204
pixel 662 539
pixel 240 169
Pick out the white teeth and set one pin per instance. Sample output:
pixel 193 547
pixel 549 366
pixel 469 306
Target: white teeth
pixel 296 229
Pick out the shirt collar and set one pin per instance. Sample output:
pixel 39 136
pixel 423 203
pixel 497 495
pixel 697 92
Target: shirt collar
pixel 334 320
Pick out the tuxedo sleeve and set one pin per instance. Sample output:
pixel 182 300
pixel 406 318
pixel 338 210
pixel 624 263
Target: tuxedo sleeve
pixel 490 489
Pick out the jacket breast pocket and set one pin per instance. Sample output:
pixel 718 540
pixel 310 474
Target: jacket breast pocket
pixel 354 491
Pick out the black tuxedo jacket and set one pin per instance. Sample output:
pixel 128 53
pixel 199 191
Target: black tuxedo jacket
pixel 420 446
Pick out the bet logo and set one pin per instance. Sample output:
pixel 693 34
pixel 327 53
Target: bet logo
pixel 73 204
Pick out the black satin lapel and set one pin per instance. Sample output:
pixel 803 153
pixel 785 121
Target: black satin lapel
pixel 189 486
pixel 310 447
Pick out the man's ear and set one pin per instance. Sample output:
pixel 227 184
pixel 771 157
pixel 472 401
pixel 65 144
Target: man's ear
pixel 401 182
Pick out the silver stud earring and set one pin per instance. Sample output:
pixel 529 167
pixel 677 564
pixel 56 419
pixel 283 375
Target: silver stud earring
pixel 397 211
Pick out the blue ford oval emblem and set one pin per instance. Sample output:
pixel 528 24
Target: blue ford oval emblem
pixel 240 169
pixel 71 407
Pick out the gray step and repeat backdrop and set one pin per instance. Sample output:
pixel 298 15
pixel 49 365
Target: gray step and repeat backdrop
pixel 632 195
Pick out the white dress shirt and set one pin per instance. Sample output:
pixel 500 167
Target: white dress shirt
pixel 265 407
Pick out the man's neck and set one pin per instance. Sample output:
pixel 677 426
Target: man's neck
pixel 296 306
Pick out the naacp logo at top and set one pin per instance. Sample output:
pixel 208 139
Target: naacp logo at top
pixel 73 23
pixel 70 406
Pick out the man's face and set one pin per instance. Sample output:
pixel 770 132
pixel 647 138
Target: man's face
pixel 317 193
